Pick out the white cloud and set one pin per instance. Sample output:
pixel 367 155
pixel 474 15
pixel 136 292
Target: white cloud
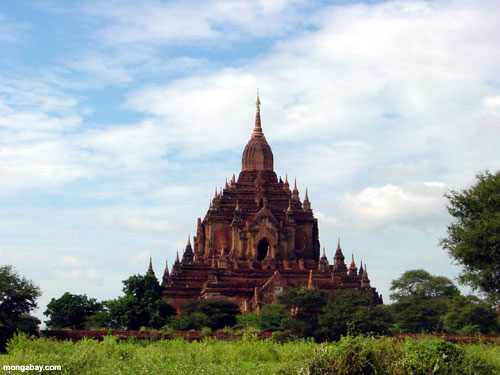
pixel 69 261
pixel 154 22
pixel 136 223
pixel 407 79
pixel 141 257
pixel 418 205
pixel 327 222
pixel 10 31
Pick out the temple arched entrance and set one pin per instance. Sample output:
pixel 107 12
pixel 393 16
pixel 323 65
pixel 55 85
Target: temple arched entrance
pixel 262 249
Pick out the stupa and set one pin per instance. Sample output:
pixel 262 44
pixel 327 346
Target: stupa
pixel 257 240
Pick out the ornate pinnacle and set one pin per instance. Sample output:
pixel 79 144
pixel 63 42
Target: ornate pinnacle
pixel 166 273
pixel 295 192
pixel 150 268
pixel 310 282
pixel 257 130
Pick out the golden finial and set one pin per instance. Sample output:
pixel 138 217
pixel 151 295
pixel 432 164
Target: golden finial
pixel 257 102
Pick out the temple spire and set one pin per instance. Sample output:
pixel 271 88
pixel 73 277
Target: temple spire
pixel 166 276
pixel 166 273
pixel 353 270
pixel 307 204
pixel 150 268
pixel 257 130
pixel 295 192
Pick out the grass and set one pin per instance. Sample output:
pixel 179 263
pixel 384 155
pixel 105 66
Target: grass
pixel 352 355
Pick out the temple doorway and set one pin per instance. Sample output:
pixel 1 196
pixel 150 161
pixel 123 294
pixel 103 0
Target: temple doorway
pixel 262 249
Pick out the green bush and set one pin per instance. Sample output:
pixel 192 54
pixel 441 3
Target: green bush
pixel 351 355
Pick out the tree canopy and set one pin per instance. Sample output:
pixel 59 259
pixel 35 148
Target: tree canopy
pixel 18 297
pixel 218 313
pixel 420 283
pixel 71 311
pixel 141 305
pixel 473 238
pixel 428 303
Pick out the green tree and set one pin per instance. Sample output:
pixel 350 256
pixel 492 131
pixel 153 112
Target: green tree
pixel 71 311
pixel 420 283
pixel 141 305
pixel 247 320
pixel 186 322
pixel 421 300
pixel 17 299
pixel 305 305
pixel 220 313
pixel 349 311
pixel 470 315
pixel 271 317
pixel 415 314
pixel 473 238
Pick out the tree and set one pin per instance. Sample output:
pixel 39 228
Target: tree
pixel 141 305
pixel 419 314
pixel 17 299
pixel 421 300
pixel 71 311
pixel 470 315
pixel 271 317
pixel 351 311
pixel 473 238
pixel 420 283
pixel 306 305
pixel 220 313
pixel 186 322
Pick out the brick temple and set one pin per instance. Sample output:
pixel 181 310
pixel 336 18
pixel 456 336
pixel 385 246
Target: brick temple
pixel 257 240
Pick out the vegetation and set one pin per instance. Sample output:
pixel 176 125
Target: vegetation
pixel 423 303
pixel 218 313
pixel 141 305
pixel 17 299
pixel 328 316
pixel 427 303
pixel 71 311
pixel 473 238
pixel 351 355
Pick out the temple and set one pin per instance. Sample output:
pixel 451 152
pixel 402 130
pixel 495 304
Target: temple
pixel 257 240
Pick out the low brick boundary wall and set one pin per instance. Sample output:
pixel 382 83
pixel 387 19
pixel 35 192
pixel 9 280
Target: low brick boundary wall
pixel 451 337
pixel 75 335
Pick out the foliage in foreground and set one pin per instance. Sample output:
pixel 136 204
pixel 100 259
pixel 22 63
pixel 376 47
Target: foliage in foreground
pixel 352 355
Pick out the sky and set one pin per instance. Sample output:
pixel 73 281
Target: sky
pixel 118 119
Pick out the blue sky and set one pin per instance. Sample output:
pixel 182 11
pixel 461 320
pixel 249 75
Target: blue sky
pixel 118 120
